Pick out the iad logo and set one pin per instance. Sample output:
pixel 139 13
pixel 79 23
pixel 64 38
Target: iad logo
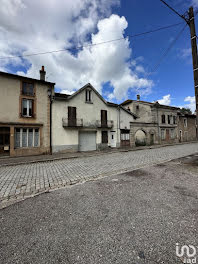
pixel 187 252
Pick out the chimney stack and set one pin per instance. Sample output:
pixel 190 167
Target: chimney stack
pixel 138 97
pixel 42 73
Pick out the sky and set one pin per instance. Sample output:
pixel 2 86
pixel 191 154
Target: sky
pixel 119 70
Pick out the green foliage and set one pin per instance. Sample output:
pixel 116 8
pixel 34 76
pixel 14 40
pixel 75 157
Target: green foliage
pixel 186 111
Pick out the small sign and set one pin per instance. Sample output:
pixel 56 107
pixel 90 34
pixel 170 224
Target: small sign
pixel 6 148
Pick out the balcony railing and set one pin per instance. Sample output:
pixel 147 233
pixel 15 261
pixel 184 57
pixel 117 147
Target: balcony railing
pixel 108 124
pixel 72 122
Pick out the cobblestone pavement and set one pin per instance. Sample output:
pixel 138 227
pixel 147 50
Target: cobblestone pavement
pixel 20 181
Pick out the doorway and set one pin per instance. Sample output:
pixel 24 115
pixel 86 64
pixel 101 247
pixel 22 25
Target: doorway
pixel 167 135
pixel 152 139
pixel 113 139
pixel 4 141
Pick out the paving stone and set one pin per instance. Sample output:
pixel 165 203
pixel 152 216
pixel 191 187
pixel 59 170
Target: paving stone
pixel 26 179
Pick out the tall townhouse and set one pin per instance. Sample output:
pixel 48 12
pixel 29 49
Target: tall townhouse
pixel 155 123
pixel 85 121
pixel 25 113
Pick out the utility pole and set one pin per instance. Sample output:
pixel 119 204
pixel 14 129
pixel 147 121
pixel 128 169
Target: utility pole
pixel 191 23
pixel 190 20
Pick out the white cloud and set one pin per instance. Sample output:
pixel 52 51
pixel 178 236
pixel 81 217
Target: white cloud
pixel 166 100
pixel 67 92
pixel 65 24
pixel 190 103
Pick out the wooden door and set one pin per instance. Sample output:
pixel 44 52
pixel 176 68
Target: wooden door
pixel 167 135
pixel 104 118
pixel 4 140
pixel 71 116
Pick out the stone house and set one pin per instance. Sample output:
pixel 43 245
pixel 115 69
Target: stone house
pixel 187 127
pixel 155 123
pixel 85 121
pixel 25 114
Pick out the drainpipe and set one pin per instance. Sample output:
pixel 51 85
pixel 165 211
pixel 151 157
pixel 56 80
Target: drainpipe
pixel 51 100
pixel 118 126
pixel 159 138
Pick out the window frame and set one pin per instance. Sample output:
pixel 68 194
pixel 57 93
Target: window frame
pixel 28 107
pixel 164 134
pixel 172 133
pixel 27 137
pixel 88 96
pixel 163 119
pixel 22 89
pixel 185 122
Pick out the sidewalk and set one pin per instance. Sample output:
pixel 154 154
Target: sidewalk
pixel 9 161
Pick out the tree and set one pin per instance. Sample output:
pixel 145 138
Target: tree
pixel 186 111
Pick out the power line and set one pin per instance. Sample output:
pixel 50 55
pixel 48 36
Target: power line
pixel 92 45
pixel 182 16
pixel 165 53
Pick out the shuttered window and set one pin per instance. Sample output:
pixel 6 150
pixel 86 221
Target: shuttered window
pixel 104 118
pixel 71 116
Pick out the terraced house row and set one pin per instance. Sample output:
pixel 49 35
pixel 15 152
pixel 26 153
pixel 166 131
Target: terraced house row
pixel 34 119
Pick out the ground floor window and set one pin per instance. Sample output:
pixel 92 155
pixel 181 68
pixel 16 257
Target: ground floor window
pixel 172 133
pixel 26 137
pixel 125 135
pixel 104 136
pixel 163 134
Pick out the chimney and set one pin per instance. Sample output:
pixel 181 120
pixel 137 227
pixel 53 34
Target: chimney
pixel 42 73
pixel 138 97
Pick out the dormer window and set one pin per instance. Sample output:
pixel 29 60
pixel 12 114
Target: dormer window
pixel 88 95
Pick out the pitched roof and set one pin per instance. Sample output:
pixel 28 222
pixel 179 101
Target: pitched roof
pixel 61 96
pixel 67 97
pixel 156 104
pixel 24 78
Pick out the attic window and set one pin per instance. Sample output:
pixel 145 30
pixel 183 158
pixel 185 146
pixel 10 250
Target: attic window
pixel 88 95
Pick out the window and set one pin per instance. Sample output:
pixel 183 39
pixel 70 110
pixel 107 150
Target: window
pixel 124 136
pixel 163 119
pixel 169 119
pixel 174 120
pixel 172 133
pixel 17 137
pixel 105 137
pixel 185 122
pixel 163 134
pixel 88 95
pixel 27 108
pixel 26 137
pixel 137 107
pixel 27 89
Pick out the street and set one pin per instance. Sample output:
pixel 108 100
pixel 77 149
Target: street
pixel 18 182
pixel 134 217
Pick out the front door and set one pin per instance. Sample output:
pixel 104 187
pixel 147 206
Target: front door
pixel 4 140
pixel 180 136
pixel 167 135
pixel 113 139
pixel 152 139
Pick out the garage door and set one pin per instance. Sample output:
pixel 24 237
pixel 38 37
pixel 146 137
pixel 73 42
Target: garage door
pixel 87 141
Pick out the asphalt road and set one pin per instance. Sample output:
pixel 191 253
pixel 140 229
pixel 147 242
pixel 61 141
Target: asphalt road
pixel 136 217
